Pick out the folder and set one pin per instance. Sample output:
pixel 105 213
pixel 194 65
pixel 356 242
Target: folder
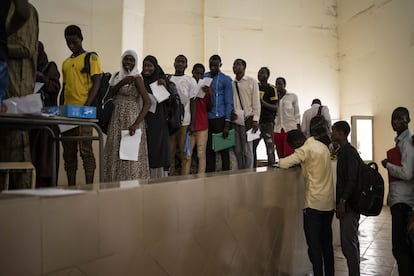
pixel 394 157
pixel 219 143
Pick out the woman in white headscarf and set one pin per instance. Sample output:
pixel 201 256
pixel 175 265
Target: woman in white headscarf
pixel 131 103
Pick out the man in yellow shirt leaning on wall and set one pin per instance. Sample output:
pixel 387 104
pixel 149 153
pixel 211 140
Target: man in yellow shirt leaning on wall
pixel 318 211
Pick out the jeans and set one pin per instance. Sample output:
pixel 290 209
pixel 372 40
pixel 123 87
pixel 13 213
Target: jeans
pixel 177 140
pixel 318 232
pixel 243 149
pixel 349 225
pixel 401 246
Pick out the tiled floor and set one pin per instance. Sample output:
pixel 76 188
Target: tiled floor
pixel 375 246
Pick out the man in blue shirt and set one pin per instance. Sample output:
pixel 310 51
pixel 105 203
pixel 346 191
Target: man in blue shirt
pixel 401 191
pixel 220 114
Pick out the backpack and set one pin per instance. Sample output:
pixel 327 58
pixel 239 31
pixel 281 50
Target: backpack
pixel 318 127
pixel 175 109
pixel 103 100
pixel 368 196
pixel 318 123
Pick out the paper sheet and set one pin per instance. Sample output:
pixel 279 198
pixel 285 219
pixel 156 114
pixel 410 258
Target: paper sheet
pixel 129 147
pixel 64 128
pixel 30 104
pixel 159 91
pixel 252 136
pixel 240 117
pixel 38 86
pixel 201 83
pixel 153 101
pixel 44 192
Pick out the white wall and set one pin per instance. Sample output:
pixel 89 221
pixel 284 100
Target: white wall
pixel 376 50
pixel 297 39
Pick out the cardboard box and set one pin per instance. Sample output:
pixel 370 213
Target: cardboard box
pixel 77 111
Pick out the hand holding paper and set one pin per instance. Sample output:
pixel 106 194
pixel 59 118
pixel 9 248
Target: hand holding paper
pixel 129 147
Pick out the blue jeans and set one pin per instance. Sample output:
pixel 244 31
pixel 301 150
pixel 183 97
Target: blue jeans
pixel 4 79
pixel 318 232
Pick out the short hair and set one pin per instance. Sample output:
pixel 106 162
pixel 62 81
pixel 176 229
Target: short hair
pixel 182 56
pixel 266 69
pixel 316 101
pixel 342 126
pixel 295 135
pixel 282 79
pixel 403 111
pixel 198 65
pixel 215 57
pixel 73 30
pixel 242 62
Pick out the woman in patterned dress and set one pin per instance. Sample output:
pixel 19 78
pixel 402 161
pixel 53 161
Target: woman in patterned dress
pixel 131 103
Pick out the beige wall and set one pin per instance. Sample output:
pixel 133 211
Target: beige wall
pixel 376 57
pixel 357 56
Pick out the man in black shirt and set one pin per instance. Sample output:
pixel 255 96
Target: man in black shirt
pixel 268 102
pixel 347 171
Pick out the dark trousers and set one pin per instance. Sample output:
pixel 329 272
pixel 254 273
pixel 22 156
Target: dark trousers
pixel 349 225
pixel 401 248
pixel 216 126
pixel 318 232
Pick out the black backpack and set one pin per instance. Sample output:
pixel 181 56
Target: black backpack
pixel 103 100
pixel 318 127
pixel 368 196
pixel 175 109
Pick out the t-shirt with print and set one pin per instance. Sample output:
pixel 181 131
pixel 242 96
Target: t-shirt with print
pixel 268 94
pixel 78 84
pixel 187 89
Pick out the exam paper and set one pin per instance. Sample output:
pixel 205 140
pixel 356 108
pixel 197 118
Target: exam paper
pixel 153 101
pixel 159 91
pixel 252 136
pixel 240 117
pixel 129 147
pixel 38 86
pixel 30 104
pixel 201 83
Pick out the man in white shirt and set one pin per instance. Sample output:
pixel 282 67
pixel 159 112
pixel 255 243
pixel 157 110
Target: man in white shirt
pixel 323 133
pixel 287 118
pixel 187 89
pixel 312 112
pixel 246 102
pixel 319 198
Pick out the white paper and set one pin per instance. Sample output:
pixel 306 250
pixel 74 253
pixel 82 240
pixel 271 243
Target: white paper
pixel 153 101
pixel 129 147
pixel 64 128
pixel 30 104
pixel 159 91
pixel 240 117
pixel 38 86
pixel 44 192
pixel 252 136
pixel 201 83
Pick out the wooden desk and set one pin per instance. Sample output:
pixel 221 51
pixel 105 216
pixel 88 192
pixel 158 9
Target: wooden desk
pixel 31 121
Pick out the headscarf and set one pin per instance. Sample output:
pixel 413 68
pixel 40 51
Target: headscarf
pixel 158 73
pixel 123 73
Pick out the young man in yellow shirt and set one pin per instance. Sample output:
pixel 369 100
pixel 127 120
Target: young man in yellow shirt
pixel 318 211
pixel 79 88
